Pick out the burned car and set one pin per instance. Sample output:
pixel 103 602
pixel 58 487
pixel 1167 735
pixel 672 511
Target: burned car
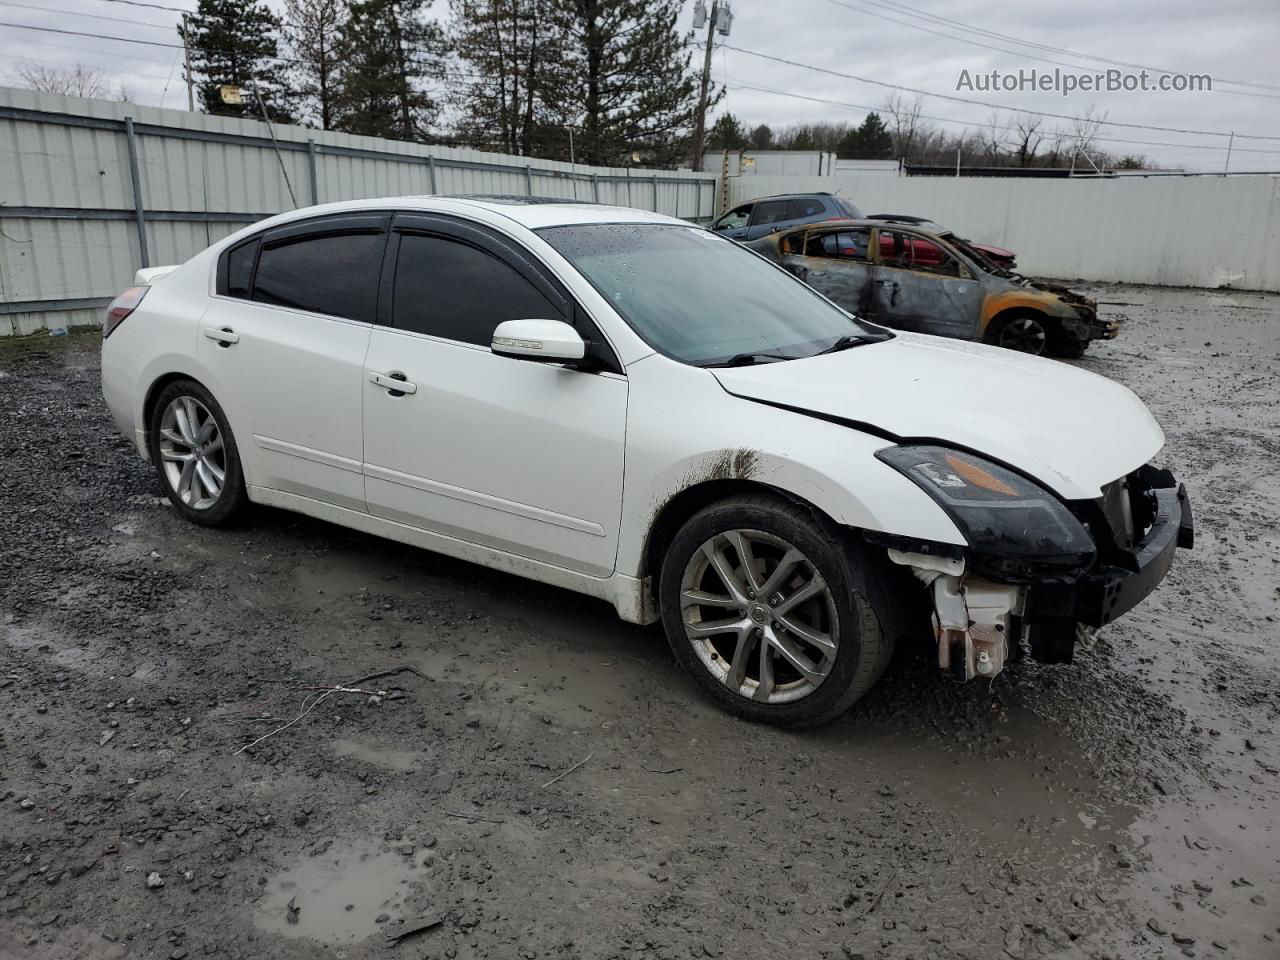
pixel 913 279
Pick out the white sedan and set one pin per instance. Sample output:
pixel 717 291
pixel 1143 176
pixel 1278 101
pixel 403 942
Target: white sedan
pixel 622 404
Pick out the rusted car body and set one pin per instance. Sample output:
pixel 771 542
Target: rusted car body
pixel 913 279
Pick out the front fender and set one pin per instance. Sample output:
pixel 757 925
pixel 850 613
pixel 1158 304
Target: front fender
pixel 1040 301
pixel 829 465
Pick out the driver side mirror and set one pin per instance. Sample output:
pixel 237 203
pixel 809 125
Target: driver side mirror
pixel 547 341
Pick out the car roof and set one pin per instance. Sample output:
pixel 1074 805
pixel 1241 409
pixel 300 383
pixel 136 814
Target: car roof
pixel 898 218
pixel 792 196
pixel 530 212
pixel 841 224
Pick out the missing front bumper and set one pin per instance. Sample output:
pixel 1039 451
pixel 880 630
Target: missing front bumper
pixel 979 624
pixel 1054 611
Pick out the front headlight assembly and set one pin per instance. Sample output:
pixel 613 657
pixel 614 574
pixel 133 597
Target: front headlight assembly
pixel 1017 531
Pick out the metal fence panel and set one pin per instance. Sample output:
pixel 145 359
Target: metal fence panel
pixel 73 229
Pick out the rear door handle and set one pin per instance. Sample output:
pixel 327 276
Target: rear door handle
pixel 395 383
pixel 224 335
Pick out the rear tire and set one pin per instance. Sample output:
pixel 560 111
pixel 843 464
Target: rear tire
pixel 195 454
pixel 814 642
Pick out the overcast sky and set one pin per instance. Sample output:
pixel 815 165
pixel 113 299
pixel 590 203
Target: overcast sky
pixel 1231 40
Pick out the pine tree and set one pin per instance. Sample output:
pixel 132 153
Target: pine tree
pixel 629 83
pixel 870 141
pixel 387 50
pixel 314 30
pixel 510 60
pixel 762 137
pixel 234 43
pixel 726 134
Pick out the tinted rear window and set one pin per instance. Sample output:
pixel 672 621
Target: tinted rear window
pixel 772 211
pixel 848 209
pixel 807 207
pixel 240 269
pixel 335 274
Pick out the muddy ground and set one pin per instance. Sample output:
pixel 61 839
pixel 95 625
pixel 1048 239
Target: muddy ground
pixel 1125 806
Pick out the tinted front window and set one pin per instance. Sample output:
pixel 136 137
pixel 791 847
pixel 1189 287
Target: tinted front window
pixel 449 289
pixel 335 274
pixel 698 297
pixel 771 211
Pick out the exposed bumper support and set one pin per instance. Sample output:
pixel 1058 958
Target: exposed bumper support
pixel 973 619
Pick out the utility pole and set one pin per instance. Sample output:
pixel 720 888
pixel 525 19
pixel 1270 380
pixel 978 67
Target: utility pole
pixel 186 56
pixel 719 21
pixel 1227 166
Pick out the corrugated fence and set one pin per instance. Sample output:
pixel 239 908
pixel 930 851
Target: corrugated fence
pixel 1166 230
pixel 90 190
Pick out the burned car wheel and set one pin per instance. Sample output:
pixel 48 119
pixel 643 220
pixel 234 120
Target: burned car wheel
pixel 195 454
pixel 761 605
pixel 1024 332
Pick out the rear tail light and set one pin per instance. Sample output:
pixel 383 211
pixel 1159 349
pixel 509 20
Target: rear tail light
pixel 121 307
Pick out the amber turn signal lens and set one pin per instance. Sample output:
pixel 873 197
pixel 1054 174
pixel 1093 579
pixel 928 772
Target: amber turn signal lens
pixel 971 473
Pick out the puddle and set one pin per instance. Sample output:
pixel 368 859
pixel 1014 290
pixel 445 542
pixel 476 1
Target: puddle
pixel 381 756
pixel 340 894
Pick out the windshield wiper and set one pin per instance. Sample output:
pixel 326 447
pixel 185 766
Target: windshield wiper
pixel 747 360
pixel 851 340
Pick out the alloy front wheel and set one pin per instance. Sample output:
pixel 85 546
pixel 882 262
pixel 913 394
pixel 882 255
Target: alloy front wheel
pixel 759 616
pixel 768 605
pixel 1024 334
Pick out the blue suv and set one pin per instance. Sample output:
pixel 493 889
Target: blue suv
pixel 766 215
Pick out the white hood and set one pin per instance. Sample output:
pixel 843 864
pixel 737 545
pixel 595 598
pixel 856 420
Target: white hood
pixel 1072 430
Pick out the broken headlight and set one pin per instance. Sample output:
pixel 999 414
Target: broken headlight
pixel 1016 530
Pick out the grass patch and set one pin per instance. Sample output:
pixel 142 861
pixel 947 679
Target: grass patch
pixel 41 343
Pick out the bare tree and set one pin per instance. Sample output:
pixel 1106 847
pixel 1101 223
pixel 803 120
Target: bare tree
pixel 1083 135
pixel 77 81
pixel 904 121
pixel 995 137
pixel 1027 137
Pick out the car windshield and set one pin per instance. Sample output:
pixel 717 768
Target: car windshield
pixel 701 298
pixel 977 256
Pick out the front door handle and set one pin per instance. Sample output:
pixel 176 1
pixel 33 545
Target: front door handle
pixel 395 383
pixel 224 335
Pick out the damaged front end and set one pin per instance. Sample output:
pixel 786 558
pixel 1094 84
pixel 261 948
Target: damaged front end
pixel 1037 573
pixel 1083 323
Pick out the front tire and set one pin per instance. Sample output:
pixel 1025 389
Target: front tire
pixel 1024 332
pixel 767 607
pixel 195 454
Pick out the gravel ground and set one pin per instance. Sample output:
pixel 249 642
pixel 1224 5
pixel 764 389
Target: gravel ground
pixel 544 783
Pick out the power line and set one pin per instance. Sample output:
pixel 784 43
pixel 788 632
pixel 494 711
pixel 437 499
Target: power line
pixel 737 84
pixel 989 104
pixel 1031 56
pixel 983 32
pixel 153 6
pixel 95 16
